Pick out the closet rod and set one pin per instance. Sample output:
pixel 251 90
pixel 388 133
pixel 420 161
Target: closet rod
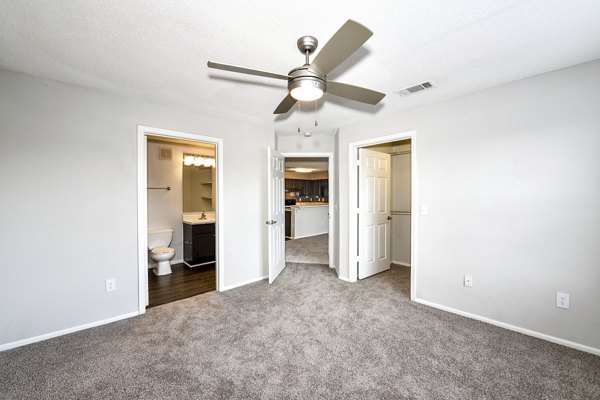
pixel 165 188
pixel 400 212
pixel 400 153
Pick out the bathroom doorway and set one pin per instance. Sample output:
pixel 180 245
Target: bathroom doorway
pixel 178 215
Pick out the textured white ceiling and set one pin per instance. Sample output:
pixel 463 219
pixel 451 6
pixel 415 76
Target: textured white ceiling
pixel 157 50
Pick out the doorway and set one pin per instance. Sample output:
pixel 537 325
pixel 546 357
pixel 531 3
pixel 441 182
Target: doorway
pixel 179 187
pixel 310 209
pixel 307 210
pixel 390 241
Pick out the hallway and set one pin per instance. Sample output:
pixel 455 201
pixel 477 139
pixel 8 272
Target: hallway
pixel 309 250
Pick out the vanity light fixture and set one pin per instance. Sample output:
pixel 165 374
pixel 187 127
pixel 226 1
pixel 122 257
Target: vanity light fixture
pixel 303 170
pixel 198 160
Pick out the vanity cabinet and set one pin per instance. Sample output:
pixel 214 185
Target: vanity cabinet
pixel 199 246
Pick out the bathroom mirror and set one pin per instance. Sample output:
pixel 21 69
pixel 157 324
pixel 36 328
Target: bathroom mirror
pixel 198 188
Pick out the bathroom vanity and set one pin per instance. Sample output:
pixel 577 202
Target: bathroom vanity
pixel 199 246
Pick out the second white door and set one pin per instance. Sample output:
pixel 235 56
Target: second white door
pixel 374 219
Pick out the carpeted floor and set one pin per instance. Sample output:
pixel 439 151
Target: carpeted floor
pixel 308 250
pixel 307 336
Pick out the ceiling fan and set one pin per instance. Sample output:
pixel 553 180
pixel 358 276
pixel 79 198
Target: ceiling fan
pixel 309 81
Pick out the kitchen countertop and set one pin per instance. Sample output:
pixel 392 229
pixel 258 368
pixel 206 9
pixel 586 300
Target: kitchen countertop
pixel 311 204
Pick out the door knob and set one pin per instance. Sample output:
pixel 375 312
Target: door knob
pixel 389 218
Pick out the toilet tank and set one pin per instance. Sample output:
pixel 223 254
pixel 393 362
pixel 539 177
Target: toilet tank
pixel 159 237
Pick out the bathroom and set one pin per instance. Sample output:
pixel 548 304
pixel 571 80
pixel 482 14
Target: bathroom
pixel 181 183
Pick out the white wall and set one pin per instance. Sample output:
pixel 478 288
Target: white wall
pixel 510 176
pixel 68 167
pixel 165 208
pixel 322 143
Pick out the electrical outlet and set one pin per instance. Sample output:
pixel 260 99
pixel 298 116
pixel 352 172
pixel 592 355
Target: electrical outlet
pixel 468 280
pixel 111 285
pixel 562 300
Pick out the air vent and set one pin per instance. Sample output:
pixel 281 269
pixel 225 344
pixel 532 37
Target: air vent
pixel 415 89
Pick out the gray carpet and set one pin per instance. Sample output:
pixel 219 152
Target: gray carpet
pixel 308 250
pixel 307 336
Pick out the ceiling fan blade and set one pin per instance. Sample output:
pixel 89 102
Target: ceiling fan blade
pixel 356 93
pixel 342 44
pixel 286 104
pixel 242 70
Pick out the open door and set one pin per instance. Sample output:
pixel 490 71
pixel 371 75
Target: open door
pixel 374 219
pixel 276 213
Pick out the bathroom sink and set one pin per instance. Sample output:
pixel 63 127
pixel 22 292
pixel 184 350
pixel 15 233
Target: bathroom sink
pixel 197 220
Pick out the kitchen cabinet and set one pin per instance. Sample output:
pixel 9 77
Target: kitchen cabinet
pixel 199 246
pixel 324 188
pixel 316 187
pixel 296 184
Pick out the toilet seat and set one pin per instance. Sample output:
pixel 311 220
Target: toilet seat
pixel 163 250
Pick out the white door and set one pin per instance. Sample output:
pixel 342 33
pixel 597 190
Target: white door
pixel 374 220
pixel 276 213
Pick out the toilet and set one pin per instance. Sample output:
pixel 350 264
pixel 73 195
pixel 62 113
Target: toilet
pixel 159 240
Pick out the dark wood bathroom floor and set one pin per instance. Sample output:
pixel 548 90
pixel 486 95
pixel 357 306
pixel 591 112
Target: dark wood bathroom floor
pixel 182 283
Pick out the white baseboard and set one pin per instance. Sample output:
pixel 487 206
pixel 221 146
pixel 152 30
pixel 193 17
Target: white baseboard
pixel 23 342
pixel 244 283
pixel 401 263
pixel 343 278
pixel 528 332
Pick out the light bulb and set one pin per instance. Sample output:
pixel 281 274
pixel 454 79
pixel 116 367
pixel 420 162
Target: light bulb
pixel 188 160
pixel 306 93
pixel 198 161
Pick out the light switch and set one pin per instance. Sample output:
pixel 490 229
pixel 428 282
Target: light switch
pixel 423 209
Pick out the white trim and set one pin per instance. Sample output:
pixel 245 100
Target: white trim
pixel 353 209
pixel 404 264
pixel 343 279
pixel 143 131
pixel 528 332
pixel 331 199
pixel 236 285
pixel 23 342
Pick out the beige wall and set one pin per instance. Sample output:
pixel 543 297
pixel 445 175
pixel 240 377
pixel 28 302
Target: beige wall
pixel 309 177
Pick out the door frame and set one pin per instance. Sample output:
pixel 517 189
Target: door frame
pixel 331 198
pixel 142 204
pixel 353 204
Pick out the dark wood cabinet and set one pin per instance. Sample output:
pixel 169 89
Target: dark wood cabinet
pixel 199 245
pixel 317 187
pixel 324 188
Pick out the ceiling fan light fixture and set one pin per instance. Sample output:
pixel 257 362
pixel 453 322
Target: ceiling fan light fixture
pixel 303 170
pixel 307 89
